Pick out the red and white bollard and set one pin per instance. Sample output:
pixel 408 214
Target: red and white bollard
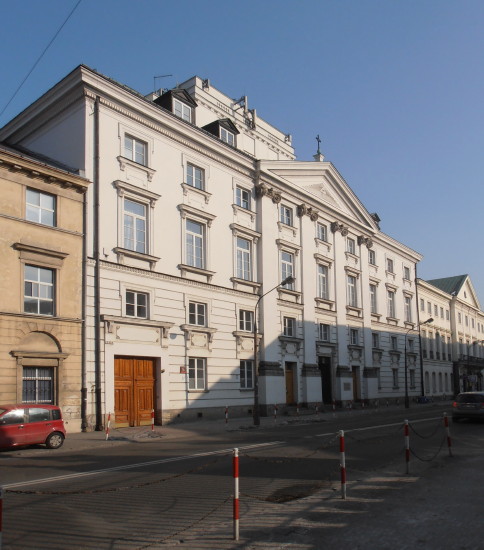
pixel 407 446
pixel 108 425
pixel 342 463
pixel 235 464
pixel 226 414
pixel 447 430
pixel 275 413
pixel 152 420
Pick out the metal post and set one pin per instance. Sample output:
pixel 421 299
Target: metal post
pixel 236 514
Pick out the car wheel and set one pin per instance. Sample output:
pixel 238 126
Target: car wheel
pixel 55 440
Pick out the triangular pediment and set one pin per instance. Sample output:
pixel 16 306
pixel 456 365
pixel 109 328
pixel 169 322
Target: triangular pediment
pixel 460 286
pixel 324 184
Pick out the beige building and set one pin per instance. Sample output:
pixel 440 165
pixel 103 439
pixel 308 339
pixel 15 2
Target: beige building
pixel 41 247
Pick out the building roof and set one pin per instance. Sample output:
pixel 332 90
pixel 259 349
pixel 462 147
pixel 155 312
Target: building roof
pixel 451 285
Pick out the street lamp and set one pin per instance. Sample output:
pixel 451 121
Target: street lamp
pixel 286 281
pixel 407 402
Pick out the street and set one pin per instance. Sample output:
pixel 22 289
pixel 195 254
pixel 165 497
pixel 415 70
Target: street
pixel 175 488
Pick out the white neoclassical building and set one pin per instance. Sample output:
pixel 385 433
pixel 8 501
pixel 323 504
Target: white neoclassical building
pixel 197 209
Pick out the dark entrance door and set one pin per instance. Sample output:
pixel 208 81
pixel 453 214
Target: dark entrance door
pixel 326 381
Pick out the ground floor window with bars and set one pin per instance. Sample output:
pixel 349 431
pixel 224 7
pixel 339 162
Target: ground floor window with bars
pixel 38 385
pixel 246 375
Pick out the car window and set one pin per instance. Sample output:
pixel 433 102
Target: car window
pixel 56 414
pixel 470 398
pixel 39 415
pixel 13 417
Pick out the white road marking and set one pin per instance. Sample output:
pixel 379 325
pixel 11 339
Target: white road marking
pixel 139 465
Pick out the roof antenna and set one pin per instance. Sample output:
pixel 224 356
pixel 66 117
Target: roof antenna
pixel 160 76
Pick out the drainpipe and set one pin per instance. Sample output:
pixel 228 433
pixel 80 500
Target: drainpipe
pixel 83 329
pixel 97 278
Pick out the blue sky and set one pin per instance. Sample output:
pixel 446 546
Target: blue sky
pixel 395 89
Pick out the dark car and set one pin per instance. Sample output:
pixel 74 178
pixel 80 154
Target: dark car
pixel 24 424
pixel 468 404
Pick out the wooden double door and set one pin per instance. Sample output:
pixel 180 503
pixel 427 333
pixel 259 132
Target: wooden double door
pixel 134 390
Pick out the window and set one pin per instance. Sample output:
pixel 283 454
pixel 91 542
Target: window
pixel 408 309
pixel 195 176
pixel 246 375
pixel 411 345
pixel 242 198
pixel 182 110
pixel 375 340
pixel 394 343
pixel 40 207
pixel 459 318
pixel 422 304
pixel 136 304
pixel 429 308
pixel 322 232
pixel 135 226
pixel 289 326
pixel 227 136
pixel 246 320
pixel 467 321
pixel 323 280
pixel 39 287
pixel 447 315
pixel 324 332
pixel 285 215
pixel 197 314
pixel 195 244
pixel 287 268
pixel 244 260
pixel 373 301
pixel 391 303
pixel 406 273
pixel 412 378
pixel 441 312
pixel 196 373
pixel 354 340
pixel 135 150
pixel 351 289
pixel 351 246
pixel 38 385
pixel 390 265
pixel 395 377
pixel 436 310
pixel 371 257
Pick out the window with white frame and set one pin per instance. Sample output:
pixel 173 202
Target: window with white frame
pixel 38 385
pixel 375 340
pixel 422 304
pixel 197 314
pixel 373 298
pixel 244 258
pixel 135 150
pixel 352 290
pixel 354 337
pixel 39 290
pixel 322 232
pixel 391 303
pixel 371 257
pixel 182 110
pixel 242 198
pixel 289 326
pixel 135 223
pixel 285 215
pixel 441 312
pixel 195 243
pixel 351 246
pixel 246 320
pixel 197 368
pixel 459 317
pixel 323 282
pixel 195 176
pixel 408 309
pixel 246 374
pixel 406 273
pixel 40 207
pixel 287 268
pixel 324 332
pixel 227 137
pixel 395 377
pixel 390 267
pixel 436 310
pixel 136 304
pixel 429 308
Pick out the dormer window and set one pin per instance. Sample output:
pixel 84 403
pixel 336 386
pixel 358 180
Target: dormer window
pixel 182 110
pixel 227 136
pixel 224 129
pixel 179 102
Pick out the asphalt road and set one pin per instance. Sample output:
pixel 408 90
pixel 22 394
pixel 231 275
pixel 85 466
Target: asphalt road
pixel 176 490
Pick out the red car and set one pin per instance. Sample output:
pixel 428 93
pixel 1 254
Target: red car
pixel 24 424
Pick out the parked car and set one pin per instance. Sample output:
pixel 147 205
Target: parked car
pixel 468 404
pixel 24 424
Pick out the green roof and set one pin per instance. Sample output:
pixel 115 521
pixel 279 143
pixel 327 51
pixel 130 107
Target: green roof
pixel 451 285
